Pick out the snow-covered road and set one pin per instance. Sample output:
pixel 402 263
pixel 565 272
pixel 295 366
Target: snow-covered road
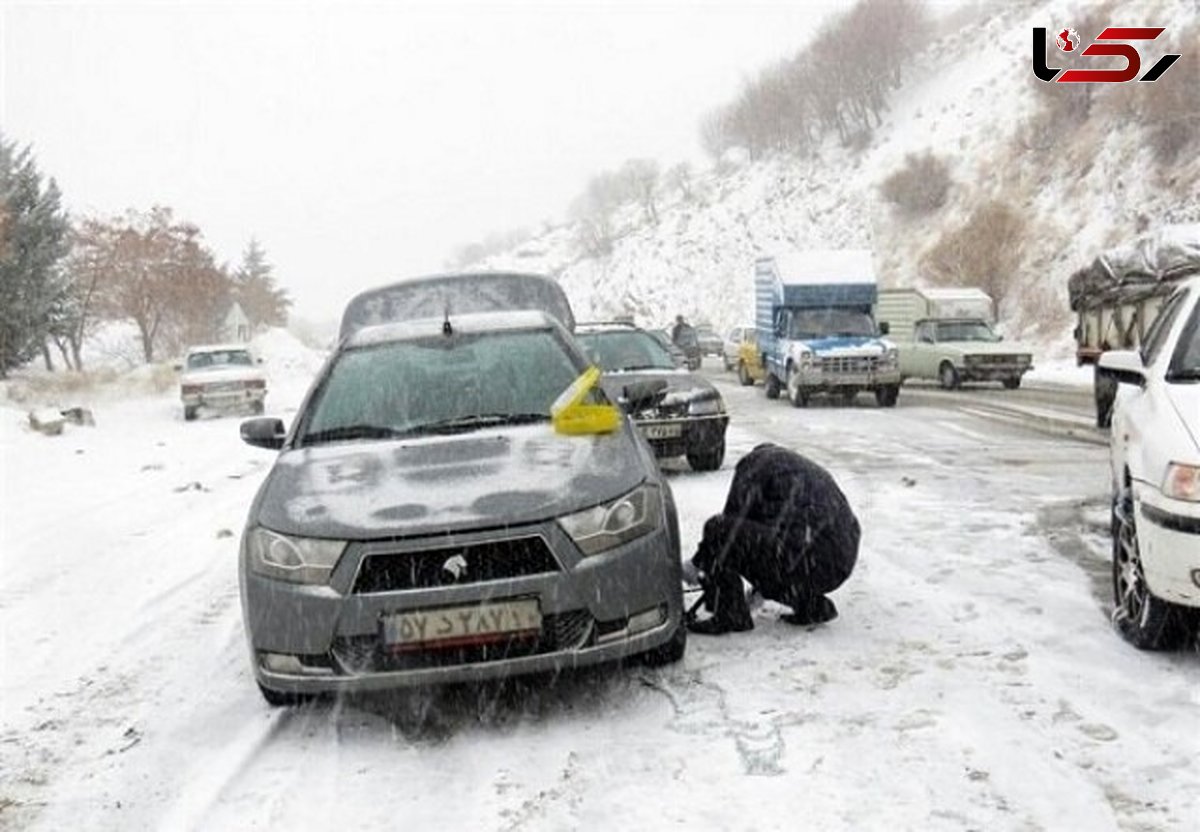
pixel 972 680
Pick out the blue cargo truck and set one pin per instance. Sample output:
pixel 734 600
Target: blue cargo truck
pixel 817 331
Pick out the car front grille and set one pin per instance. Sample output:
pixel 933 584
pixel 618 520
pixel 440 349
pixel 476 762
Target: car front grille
pixel 993 359
pixel 455 565
pixel 560 631
pixel 849 364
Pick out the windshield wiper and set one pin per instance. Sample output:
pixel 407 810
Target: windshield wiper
pixel 347 433
pixel 462 424
pixel 1188 374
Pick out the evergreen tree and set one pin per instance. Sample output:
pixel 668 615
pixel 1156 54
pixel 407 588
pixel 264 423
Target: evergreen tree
pixel 33 241
pixel 264 303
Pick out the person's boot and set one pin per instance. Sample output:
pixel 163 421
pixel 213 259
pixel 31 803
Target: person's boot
pixel 719 625
pixel 725 597
pixel 816 609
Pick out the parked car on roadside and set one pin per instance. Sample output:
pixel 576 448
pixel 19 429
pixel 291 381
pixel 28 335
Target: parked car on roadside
pixel 689 417
pixel 428 520
pixel 1155 455
pixel 221 377
pixel 711 343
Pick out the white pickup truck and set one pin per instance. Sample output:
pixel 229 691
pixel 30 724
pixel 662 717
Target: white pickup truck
pixel 946 335
pixel 221 376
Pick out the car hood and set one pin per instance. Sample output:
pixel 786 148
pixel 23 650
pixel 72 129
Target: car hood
pixel 682 386
pixel 848 345
pixel 484 479
pixel 221 376
pixel 986 347
pixel 1185 398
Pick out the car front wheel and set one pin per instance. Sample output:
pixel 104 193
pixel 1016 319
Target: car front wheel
pixel 189 413
pixel 744 375
pixel 948 376
pixel 707 459
pixel 887 396
pixel 1012 382
pixel 1143 619
pixel 771 386
pixel 670 652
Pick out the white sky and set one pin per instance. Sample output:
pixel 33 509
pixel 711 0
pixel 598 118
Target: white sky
pixel 361 142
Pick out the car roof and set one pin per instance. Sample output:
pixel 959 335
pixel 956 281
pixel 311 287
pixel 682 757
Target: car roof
pixel 958 320
pixel 593 327
pixel 475 323
pixel 218 348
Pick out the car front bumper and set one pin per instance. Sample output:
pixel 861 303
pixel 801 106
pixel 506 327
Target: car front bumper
pixel 224 398
pixel 335 635
pixel 1169 544
pixel 815 380
pixel 992 372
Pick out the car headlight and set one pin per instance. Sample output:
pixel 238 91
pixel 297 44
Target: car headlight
pixel 706 407
pixel 805 360
pixel 891 357
pixel 626 518
pixel 300 560
pixel 1024 359
pixel 1182 482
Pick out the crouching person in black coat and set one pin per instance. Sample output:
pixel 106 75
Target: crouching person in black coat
pixel 788 530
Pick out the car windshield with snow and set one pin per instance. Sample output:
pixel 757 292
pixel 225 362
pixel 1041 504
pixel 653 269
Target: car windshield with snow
pixel 426 522
pixel 686 418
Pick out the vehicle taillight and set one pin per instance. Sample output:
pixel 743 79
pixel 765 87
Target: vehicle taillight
pixel 256 384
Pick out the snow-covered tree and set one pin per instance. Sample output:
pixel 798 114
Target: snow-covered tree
pixel 264 303
pixel 33 231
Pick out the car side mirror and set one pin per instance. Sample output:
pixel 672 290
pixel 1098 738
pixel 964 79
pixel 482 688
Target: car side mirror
pixel 264 433
pixel 1123 367
pixel 643 395
pixel 885 328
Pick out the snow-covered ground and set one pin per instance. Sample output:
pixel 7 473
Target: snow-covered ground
pixel 972 680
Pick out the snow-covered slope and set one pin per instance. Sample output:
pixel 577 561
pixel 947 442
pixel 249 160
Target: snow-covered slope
pixel 970 97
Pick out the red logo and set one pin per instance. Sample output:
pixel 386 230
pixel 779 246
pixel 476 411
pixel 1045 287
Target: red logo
pixel 1067 40
pixel 1112 42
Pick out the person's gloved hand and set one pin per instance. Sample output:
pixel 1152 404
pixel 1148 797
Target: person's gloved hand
pixel 691 575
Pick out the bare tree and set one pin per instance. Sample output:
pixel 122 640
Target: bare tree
pixel 639 179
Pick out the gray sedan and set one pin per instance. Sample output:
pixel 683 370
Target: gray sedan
pixel 425 523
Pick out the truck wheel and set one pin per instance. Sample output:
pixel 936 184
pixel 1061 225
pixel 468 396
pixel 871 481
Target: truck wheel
pixel 848 397
pixel 887 396
pixel 257 408
pixel 797 396
pixel 189 414
pixel 771 386
pixel 744 375
pixel 707 459
pixel 948 376
pixel 1012 383
pixel 1143 619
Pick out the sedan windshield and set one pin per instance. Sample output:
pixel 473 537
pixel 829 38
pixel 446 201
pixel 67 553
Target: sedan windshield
pixel 440 385
pixel 819 323
pixel 219 360
pixel 966 331
pixel 626 350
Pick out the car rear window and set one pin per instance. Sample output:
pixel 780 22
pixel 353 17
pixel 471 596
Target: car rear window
pixel 406 385
pixel 219 359
pixel 622 350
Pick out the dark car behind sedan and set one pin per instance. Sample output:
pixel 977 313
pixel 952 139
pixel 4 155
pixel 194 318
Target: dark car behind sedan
pixel 687 418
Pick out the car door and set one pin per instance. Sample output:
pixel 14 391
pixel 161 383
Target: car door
pixel 1138 409
pixel 915 361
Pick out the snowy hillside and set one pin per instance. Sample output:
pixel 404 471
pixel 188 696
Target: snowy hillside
pixel 969 97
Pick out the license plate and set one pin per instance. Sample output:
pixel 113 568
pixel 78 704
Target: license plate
pixel 462 626
pixel 663 431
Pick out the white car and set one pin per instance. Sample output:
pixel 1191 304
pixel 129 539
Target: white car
pixel 221 376
pixel 1155 450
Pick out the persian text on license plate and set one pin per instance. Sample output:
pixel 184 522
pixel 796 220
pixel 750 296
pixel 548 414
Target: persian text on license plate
pixel 459 626
pixel 663 431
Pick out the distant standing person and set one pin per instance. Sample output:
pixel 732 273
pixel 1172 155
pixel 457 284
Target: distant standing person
pixel 788 530
pixel 681 326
